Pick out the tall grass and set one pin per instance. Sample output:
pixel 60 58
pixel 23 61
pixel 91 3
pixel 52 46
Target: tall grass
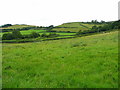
pixel 83 62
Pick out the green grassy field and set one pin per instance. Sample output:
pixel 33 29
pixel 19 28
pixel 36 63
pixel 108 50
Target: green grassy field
pixel 83 62
pixel 77 26
pixel 68 29
pixel 25 32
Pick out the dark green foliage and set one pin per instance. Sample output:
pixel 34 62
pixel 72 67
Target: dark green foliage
pixel 7 30
pixel 44 35
pixel 116 25
pixel 34 35
pixel 110 26
pixel 16 34
pixel 94 22
pixel 6 25
pixel 94 28
pixel 97 29
pixel 7 36
pixel 102 21
pixel 50 27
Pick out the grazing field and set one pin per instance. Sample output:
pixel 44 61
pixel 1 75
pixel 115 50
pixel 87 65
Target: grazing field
pixel 25 32
pixel 78 24
pixel 68 29
pixel 83 62
pixel 75 26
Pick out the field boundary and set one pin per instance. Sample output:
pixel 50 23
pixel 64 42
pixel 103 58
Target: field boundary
pixel 47 39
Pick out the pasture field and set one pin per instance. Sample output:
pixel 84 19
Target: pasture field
pixel 25 32
pixel 69 29
pixel 78 24
pixel 30 31
pixel 75 26
pixel 82 62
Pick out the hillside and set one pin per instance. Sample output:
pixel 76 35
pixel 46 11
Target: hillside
pixel 17 26
pixel 75 26
pixel 82 62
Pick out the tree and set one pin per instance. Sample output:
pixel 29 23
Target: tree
pixel 7 36
pixel 116 25
pixel 44 35
pixel 94 22
pixel 6 25
pixel 94 28
pixel 50 27
pixel 34 35
pixel 102 22
pixel 16 34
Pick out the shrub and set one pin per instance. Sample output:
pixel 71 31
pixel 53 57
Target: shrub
pixel 44 35
pixel 16 34
pixel 34 35
pixel 7 36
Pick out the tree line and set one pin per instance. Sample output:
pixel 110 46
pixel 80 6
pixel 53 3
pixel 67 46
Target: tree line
pixel 16 34
pixel 5 29
pixel 106 27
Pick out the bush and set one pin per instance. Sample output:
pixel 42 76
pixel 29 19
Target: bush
pixel 16 34
pixel 34 35
pixel 44 35
pixel 7 36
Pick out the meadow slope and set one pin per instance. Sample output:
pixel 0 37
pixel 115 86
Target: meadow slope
pixel 75 26
pixel 83 62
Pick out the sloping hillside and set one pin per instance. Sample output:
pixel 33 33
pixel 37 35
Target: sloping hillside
pixel 75 26
pixel 17 26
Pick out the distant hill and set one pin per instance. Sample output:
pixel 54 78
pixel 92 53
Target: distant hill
pixel 17 26
pixel 75 26
pixel 65 27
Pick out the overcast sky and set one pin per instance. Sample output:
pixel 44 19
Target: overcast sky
pixel 56 12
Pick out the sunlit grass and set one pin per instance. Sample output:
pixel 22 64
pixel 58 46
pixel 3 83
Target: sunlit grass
pixel 83 62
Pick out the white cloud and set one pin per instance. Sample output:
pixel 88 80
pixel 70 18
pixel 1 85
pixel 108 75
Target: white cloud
pixel 55 12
